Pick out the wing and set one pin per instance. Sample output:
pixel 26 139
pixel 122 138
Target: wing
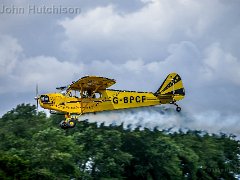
pixel 92 83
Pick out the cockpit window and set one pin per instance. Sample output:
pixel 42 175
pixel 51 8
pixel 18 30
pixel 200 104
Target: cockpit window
pixel 98 95
pixel 72 93
pixel 63 92
pixel 91 94
pixel 69 93
pixel 85 94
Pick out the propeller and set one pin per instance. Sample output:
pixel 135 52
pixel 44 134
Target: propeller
pixel 37 97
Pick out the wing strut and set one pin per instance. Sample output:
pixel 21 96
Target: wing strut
pixel 92 95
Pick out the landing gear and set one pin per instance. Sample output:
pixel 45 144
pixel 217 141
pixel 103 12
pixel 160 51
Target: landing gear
pixel 71 123
pixel 178 108
pixel 63 125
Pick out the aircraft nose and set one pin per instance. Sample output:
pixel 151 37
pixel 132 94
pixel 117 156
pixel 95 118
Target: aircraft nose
pixel 44 98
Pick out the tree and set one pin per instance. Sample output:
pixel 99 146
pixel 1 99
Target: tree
pixel 32 146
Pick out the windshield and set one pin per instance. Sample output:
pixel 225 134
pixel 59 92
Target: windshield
pixel 63 92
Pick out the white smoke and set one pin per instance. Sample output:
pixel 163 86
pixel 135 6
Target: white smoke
pixel 166 118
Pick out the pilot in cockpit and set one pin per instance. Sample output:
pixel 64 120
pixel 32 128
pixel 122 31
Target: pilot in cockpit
pixel 90 93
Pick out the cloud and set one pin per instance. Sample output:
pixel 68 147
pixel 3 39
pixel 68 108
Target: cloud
pixel 19 71
pixel 148 32
pixel 136 46
pixel 203 79
pixel 9 52
pixel 218 61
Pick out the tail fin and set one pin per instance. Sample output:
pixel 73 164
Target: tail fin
pixel 171 89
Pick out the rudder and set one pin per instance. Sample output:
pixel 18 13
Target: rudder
pixel 171 89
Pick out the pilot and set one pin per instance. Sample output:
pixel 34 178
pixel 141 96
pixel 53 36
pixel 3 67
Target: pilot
pixel 90 93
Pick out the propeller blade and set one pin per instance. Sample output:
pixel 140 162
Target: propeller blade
pixel 37 106
pixel 37 90
pixel 36 97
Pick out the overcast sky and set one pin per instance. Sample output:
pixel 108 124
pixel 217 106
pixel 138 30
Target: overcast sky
pixel 136 42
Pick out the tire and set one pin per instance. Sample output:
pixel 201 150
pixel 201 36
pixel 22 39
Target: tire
pixel 178 109
pixel 63 125
pixel 71 123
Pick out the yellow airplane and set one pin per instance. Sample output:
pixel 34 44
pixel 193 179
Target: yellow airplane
pixel 90 95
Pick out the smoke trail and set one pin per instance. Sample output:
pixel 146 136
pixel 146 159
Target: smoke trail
pixel 166 118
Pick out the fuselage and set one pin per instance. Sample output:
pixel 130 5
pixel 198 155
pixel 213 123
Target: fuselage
pixel 104 100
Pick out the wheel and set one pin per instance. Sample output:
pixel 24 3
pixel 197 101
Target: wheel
pixel 71 123
pixel 63 125
pixel 178 109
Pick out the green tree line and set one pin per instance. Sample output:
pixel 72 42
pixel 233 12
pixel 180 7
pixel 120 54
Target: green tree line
pixel 32 146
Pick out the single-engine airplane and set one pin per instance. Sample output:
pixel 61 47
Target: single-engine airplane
pixel 90 95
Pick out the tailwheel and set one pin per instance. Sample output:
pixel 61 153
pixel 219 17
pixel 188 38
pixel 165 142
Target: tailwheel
pixel 71 123
pixel 178 109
